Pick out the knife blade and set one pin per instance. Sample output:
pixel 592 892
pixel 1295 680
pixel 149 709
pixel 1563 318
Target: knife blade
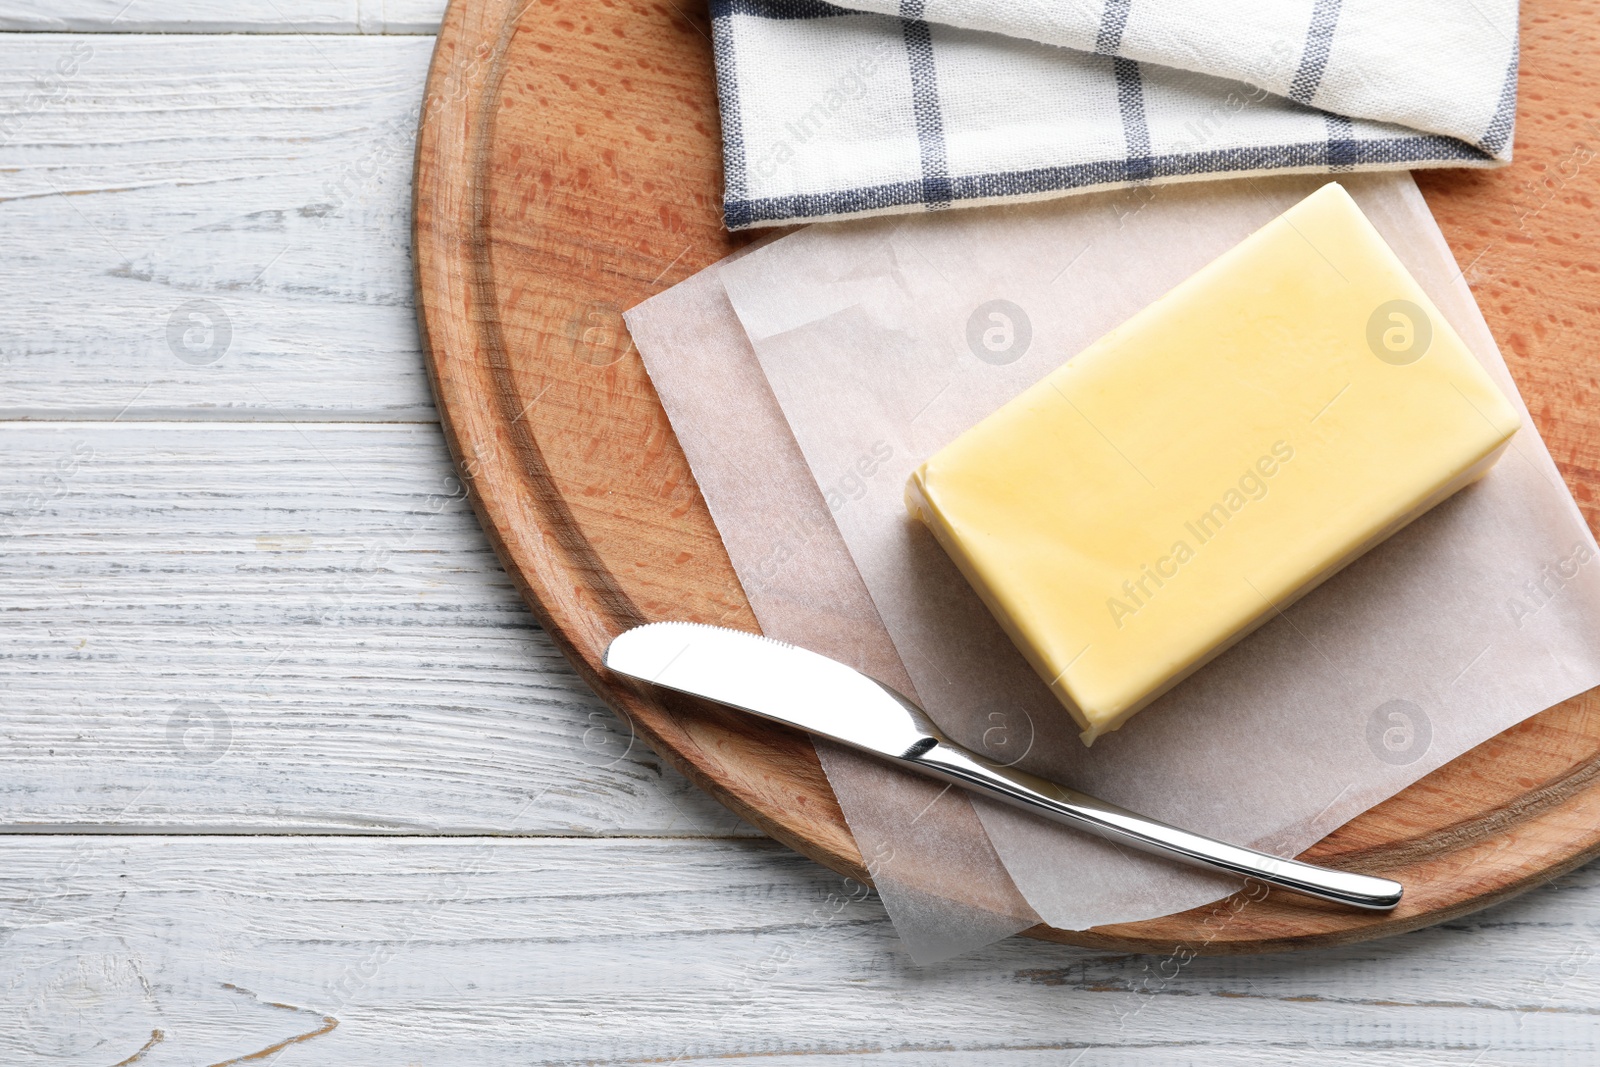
pixel 822 696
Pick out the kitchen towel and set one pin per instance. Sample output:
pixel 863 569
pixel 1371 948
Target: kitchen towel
pixel 910 105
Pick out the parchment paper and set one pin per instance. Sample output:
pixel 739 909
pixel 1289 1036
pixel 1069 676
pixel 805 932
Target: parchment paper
pixel 1481 613
pixel 930 859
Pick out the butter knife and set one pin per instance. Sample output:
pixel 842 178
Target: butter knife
pixel 790 685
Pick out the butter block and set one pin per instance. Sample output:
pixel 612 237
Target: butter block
pixel 1187 476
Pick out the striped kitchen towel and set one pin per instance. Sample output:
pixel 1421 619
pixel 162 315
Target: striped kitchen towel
pixel 910 105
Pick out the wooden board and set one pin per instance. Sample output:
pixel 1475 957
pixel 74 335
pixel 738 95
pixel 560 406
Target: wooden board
pixel 568 166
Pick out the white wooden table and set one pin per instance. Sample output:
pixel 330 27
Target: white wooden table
pixel 287 772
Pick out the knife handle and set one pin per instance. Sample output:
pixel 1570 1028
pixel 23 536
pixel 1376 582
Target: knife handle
pixel 1032 793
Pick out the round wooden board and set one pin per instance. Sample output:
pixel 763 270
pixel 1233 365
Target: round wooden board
pixel 569 166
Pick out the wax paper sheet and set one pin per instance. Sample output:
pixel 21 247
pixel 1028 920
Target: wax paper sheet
pixel 881 343
pixel 930 859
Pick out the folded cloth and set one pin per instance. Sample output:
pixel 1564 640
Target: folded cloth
pixel 911 105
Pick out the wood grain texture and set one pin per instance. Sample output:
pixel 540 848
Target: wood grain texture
pixel 574 172
pixel 281 627
pixel 1526 238
pixel 473 951
pixel 323 587
pixel 261 180
pixel 235 16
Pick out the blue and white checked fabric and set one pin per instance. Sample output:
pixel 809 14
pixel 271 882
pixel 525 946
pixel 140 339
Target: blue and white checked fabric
pixel 908 105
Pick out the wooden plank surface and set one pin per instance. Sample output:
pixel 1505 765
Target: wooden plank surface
pixel 547 948
pixel 215 16
pixel 317 605
pixel 607 952
pixel 209 227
